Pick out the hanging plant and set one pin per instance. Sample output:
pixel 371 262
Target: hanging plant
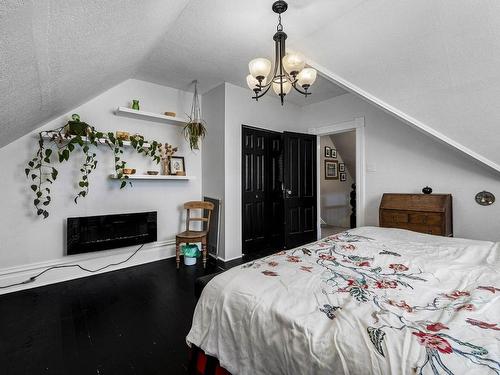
pixel 195 129
pixel 63 141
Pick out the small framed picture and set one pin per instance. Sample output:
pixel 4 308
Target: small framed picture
pixel 341 167
pixel 331 170
pixel 333 153
pixel 327 151
pixel 343 177
pixel 177 164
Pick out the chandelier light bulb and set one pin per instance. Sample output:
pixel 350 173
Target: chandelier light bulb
pixel 287 86
pixel 307 77
pixel 259 68
pixel 252 82
pixel 294 63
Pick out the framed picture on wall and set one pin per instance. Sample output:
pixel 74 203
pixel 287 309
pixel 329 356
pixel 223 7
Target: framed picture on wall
pixel 341 167
pixel 331 170
pixel 343 177
pixel 333 153
pixel 177 165
pixel 327 151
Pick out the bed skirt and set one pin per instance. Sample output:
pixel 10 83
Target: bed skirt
pixel 203 364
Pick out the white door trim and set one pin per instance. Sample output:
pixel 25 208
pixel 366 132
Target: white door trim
pixel 357 124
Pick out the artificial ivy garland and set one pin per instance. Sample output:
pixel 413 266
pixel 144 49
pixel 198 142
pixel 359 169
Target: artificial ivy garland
pixel 42 173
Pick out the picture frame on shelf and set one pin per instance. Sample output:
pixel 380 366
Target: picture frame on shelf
pixel 327 151
pixel 341 167
pixel 177 165
pixel 343 176
pixel 331 170
pixel 333 153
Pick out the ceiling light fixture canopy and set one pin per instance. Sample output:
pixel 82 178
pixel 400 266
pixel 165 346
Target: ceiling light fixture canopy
pixel 289 69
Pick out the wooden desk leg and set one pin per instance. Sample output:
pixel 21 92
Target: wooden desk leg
pixel 204 249
pixel 177 254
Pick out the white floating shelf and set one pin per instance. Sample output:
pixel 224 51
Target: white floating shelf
pixel 149 116
pixel 153 177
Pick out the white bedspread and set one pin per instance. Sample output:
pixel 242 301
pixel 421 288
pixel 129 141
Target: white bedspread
pixel 367 301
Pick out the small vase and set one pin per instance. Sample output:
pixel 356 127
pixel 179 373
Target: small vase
pixel 135 104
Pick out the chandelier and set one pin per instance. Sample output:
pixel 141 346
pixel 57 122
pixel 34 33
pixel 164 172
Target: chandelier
pixel 289 69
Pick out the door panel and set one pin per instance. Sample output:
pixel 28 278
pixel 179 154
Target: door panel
pixel 262 225
pixel 300 203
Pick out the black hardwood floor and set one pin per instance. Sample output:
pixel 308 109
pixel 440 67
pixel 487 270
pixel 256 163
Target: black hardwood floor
pixel 129 321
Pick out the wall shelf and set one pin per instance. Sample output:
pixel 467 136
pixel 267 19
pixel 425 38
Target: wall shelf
pixel 152 177
pixel 149 116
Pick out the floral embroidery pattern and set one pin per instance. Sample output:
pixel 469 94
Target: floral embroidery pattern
pixel 368 279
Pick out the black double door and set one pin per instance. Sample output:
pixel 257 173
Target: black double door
pixel 278 189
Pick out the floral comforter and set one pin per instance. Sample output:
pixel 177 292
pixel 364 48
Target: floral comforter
pixel 367 301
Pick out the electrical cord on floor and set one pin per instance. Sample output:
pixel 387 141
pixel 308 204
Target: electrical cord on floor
pixel 33 278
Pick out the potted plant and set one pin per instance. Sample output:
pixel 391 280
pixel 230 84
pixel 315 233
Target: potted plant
pixel 190 252
pixel 195 129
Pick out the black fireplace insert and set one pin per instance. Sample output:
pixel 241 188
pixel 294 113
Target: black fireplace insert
pixel 95 233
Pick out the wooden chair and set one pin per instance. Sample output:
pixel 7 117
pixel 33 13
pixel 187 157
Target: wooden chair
pixel 190 236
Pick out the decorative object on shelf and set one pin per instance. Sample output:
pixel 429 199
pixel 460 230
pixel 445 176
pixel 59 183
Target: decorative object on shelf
pixel 129 170
pixel 170 114
pixel 341 167
pixel 485 198
pixel 136 137
pixel 327 151
pixel 42 172
pixel 135 105
pixel 427 190
pixel 76 127
pixel 333 153
pixel 331 170
pixel 167 152
pixel 177 165
pixel 289 69
pixel 195 129
pixel 152 173
pixel 122 136
pixel 343 177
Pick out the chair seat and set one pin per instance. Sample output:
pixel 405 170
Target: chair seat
pixel 192 234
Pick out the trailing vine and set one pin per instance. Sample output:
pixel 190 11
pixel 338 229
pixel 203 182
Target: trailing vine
pixel 42 173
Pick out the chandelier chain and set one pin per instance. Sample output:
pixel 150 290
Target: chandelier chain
pixel 280 26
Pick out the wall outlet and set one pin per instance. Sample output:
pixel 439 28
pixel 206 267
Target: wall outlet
pixel 371 167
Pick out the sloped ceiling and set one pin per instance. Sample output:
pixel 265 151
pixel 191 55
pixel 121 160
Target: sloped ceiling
pixel 435 60
pixel 345 144
pixel 214 41
pixel 56 55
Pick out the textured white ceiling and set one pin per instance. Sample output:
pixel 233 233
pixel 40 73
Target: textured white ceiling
pixel 214 41
pixel 56 55
pixel 436 60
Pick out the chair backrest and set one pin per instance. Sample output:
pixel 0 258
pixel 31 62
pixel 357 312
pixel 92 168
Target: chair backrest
pixel 199 205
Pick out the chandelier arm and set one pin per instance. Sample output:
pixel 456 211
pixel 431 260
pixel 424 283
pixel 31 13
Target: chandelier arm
pixel 257 96
pixel 294 85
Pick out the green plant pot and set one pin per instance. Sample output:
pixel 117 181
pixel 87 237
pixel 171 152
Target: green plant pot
pixel 77 128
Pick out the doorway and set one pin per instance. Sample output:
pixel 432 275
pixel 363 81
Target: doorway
pixel 337 182
pixel 357 125
pixel 279 184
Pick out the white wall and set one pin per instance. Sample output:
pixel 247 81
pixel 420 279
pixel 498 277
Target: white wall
pixel 28 242
pixel 241 109
pixel 334 194
pixel 404 160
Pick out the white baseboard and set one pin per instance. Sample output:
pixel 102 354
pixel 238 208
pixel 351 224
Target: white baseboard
pixel 149 253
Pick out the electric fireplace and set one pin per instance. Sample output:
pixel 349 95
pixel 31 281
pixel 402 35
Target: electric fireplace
pixel 95 233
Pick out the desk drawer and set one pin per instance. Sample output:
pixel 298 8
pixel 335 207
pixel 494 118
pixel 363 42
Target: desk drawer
pixel 393 217
pixel 427 218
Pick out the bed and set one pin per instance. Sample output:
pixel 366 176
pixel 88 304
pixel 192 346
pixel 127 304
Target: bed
pixel 366 301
